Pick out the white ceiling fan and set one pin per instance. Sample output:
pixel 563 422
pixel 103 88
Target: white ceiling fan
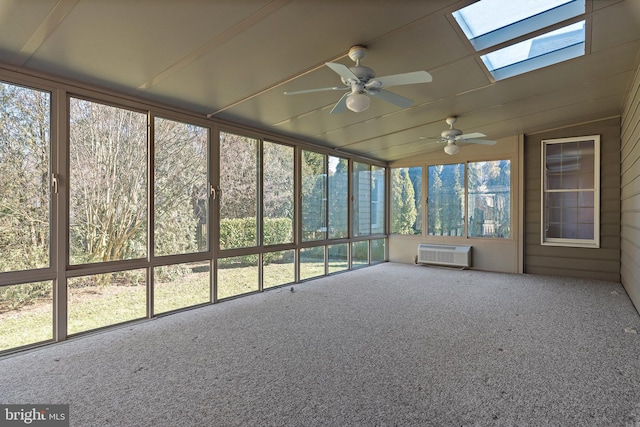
pixel 362 81
pixel 453 136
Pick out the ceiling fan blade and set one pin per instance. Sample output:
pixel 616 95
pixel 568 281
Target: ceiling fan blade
pixel 342 70
pixel 393 98
pixel 400 79
pixel 296 92
pixel 341 105
pixel 434 138
pixel 479 141
pixel 470 136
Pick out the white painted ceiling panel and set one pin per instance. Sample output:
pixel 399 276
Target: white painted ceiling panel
pixel 236 58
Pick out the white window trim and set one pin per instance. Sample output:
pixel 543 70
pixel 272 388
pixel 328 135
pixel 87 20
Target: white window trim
pixel 579 243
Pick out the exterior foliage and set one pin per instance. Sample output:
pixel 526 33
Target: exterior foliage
pixel 403 202
pixel 180 187
pixel 107 182
pixel 24 178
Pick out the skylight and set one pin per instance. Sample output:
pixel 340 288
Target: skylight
pixel 547 49
pixel 488 23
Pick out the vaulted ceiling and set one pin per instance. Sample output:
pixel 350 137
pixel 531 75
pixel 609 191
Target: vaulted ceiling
pixel 233 59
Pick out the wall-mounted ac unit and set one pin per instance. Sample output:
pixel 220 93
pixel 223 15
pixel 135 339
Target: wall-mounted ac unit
pixel 455 256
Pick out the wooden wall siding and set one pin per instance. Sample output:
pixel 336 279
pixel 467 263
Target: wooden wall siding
pixel 602 263
pixel 630 194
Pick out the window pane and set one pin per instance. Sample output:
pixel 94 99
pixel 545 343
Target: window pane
pixel 180 188
pixel 338 257
pixel 25 139
pixel 239 191
pixel 278 268
pixel 106 299
pixel 571 215
pixel 311 262
pixel 107 183
pixel 569 191
pixel 499 16
pixel 338 197
pixel 26 314
pixel 406 196
pixel 359 254
pixel 277 188
pixel 377 200
pixel 314 196
pixel 570 165
pixel 489 195
pixel 181 285
pixel 237 275
pixel 446 200
pixel 377 250
pixel 361 199
pixel 541 51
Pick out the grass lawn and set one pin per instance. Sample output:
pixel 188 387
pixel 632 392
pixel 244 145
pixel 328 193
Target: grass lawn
pixel 100 305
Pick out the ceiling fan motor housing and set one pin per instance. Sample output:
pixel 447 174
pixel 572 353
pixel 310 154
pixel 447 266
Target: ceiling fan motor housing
pixel 450 134
pixel 363 73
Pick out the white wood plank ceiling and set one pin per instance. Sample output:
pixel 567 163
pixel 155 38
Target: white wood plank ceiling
pixel 233 59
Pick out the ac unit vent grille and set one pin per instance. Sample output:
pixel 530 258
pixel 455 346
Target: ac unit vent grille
pixel 459 256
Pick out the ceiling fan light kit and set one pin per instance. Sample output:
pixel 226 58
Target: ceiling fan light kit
pixel 358 102
pixel 451 148
pixel 362 81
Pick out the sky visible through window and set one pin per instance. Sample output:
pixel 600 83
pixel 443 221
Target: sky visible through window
pixel 486 16
pixel 488 23
pixel 522 51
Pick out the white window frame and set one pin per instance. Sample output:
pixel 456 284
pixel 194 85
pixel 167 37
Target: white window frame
pixel 555 241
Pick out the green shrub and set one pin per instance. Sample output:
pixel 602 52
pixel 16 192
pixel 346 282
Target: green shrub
pixel 16 296
pixel 241 233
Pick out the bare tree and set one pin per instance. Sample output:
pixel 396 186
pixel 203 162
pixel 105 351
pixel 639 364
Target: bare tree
pixel 24 177
pixel 108 182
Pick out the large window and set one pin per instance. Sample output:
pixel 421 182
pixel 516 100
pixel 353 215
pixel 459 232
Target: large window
pixel 361 199
pixel 368 199
pixel 111 222
pixel 181 285
pixel 107 299
pixel 26 307
pixel 237 275
pixel 479 208
pixel 338 197
pixel 107 183
pixel 406 200
pixel 239 191
pixel 314 196
pixel 180 187
pixel 570 191
pixel 377 199
pixel 108 215
pixel 24 178
pixel 277 190
pixel 489 199
pixel 446 201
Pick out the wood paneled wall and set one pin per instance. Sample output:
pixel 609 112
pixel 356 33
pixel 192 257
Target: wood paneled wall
pixel 601 263
pixel 630 194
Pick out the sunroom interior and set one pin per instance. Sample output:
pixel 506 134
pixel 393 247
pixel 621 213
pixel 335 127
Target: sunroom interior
pixel 149 153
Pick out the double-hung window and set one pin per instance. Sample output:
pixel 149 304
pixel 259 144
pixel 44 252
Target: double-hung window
pixel 571 192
